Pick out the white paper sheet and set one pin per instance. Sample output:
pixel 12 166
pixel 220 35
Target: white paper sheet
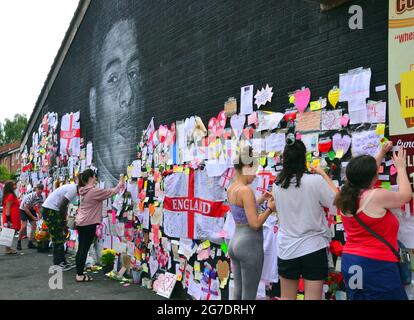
pixel 246 100
pixel 275 142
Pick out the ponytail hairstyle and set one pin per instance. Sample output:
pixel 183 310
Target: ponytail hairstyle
pixel 360 173
pixel 83 177
pixel 294 162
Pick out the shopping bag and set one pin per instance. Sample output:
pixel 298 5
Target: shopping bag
pixel 6 237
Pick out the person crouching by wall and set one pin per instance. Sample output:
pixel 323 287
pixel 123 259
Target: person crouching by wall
pixel 28 207
pixel 89 216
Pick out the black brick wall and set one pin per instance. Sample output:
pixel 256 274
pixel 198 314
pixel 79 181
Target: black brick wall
pixel 196 54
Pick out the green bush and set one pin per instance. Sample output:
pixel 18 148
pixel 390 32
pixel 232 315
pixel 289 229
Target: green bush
pixel 4 174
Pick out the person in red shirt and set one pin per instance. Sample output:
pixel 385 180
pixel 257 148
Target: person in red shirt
pixel 369 266
pixel 11 213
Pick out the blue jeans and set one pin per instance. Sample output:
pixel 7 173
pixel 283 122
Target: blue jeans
pixel 380 279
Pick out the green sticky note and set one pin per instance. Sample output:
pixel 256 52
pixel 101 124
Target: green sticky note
pixel 224 247
pixel 386 185
pixel 331 155
pixel 309 157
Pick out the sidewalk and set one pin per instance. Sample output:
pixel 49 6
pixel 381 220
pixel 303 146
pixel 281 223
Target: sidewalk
pixel 26 276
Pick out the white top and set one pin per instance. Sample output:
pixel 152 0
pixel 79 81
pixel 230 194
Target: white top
pixel 55 199
pixel 303 226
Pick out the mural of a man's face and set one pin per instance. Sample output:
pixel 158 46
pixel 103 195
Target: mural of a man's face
pixel 114 102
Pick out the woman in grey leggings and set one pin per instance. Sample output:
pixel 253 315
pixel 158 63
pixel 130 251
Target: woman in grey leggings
pixel 246 246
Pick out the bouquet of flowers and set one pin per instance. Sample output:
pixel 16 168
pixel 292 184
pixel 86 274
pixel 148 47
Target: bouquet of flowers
pixel 41 233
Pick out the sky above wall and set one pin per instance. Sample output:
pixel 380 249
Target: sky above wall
pixel 31 33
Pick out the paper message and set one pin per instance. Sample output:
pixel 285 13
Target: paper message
pixel 365 142
pixel 246 100
pixel 309 121
pixel 331 120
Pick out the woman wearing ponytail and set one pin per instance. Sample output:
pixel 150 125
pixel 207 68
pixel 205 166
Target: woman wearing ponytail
pixel 369 266
pixel 89 216
pixel 303 235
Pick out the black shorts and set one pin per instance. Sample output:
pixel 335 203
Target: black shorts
pixel 25 217
pixel 313 266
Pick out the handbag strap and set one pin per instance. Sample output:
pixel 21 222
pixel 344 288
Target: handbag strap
pixel 372 232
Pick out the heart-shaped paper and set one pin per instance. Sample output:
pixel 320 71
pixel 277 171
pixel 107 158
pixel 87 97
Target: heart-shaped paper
pixel 216 125
pixel 333 97
pixel 223 269
pixel 237 124
pixel 302 99
pixel 344 120
pixel 341 143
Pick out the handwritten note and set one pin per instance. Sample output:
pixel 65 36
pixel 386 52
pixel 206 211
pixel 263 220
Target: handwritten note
pixel 275 142
pixel 331 120
pixel 309 121
pixel 365 142
pixel 166 285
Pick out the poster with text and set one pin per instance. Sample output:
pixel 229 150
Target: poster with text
pixel 401 67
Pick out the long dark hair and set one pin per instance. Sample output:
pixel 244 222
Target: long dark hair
pixel 360 172
pixel 8 189
pixel 83 177
pixel 294 163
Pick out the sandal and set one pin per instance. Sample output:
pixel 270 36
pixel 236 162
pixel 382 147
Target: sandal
pixel 85 278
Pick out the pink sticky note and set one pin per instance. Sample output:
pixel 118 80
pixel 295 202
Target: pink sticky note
pixel 381 169
pixel 222 234
pixel 344 120
pixel 298 136
pixel 393 170
pixel 252 119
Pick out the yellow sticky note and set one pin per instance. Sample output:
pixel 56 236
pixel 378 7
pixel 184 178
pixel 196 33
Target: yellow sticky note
pixel 143 256
pixel 338 218
pixel 339 154
pixel 316 162
pixel 206 244
pixel 407 95
pixel 380 129
pixel 145 185
pixel 179 277
pixel 197 266
pixel 292 99
pixel 315 105
pixel 300 297
pixel 187 170
pixel 262 161
pixel 180 169
pixel 271 154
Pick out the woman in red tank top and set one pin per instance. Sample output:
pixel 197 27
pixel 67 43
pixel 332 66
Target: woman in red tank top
pixel 369 266
pixel 11 213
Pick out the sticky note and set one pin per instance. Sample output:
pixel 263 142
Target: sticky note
pixel 393 170
pixel 224 247
pixel 292 99
pixel 381 169
pixel 338 218
pixel 309 157
pixel 205 244
pixel 315 105
pixel 316 162
pixel 271 154
pixel 339 154
pixel 187 170
pixel 331 155
pixel 386 185
pixel 380 129
pixel 197 266
pixel 262 161
pixel 381 88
